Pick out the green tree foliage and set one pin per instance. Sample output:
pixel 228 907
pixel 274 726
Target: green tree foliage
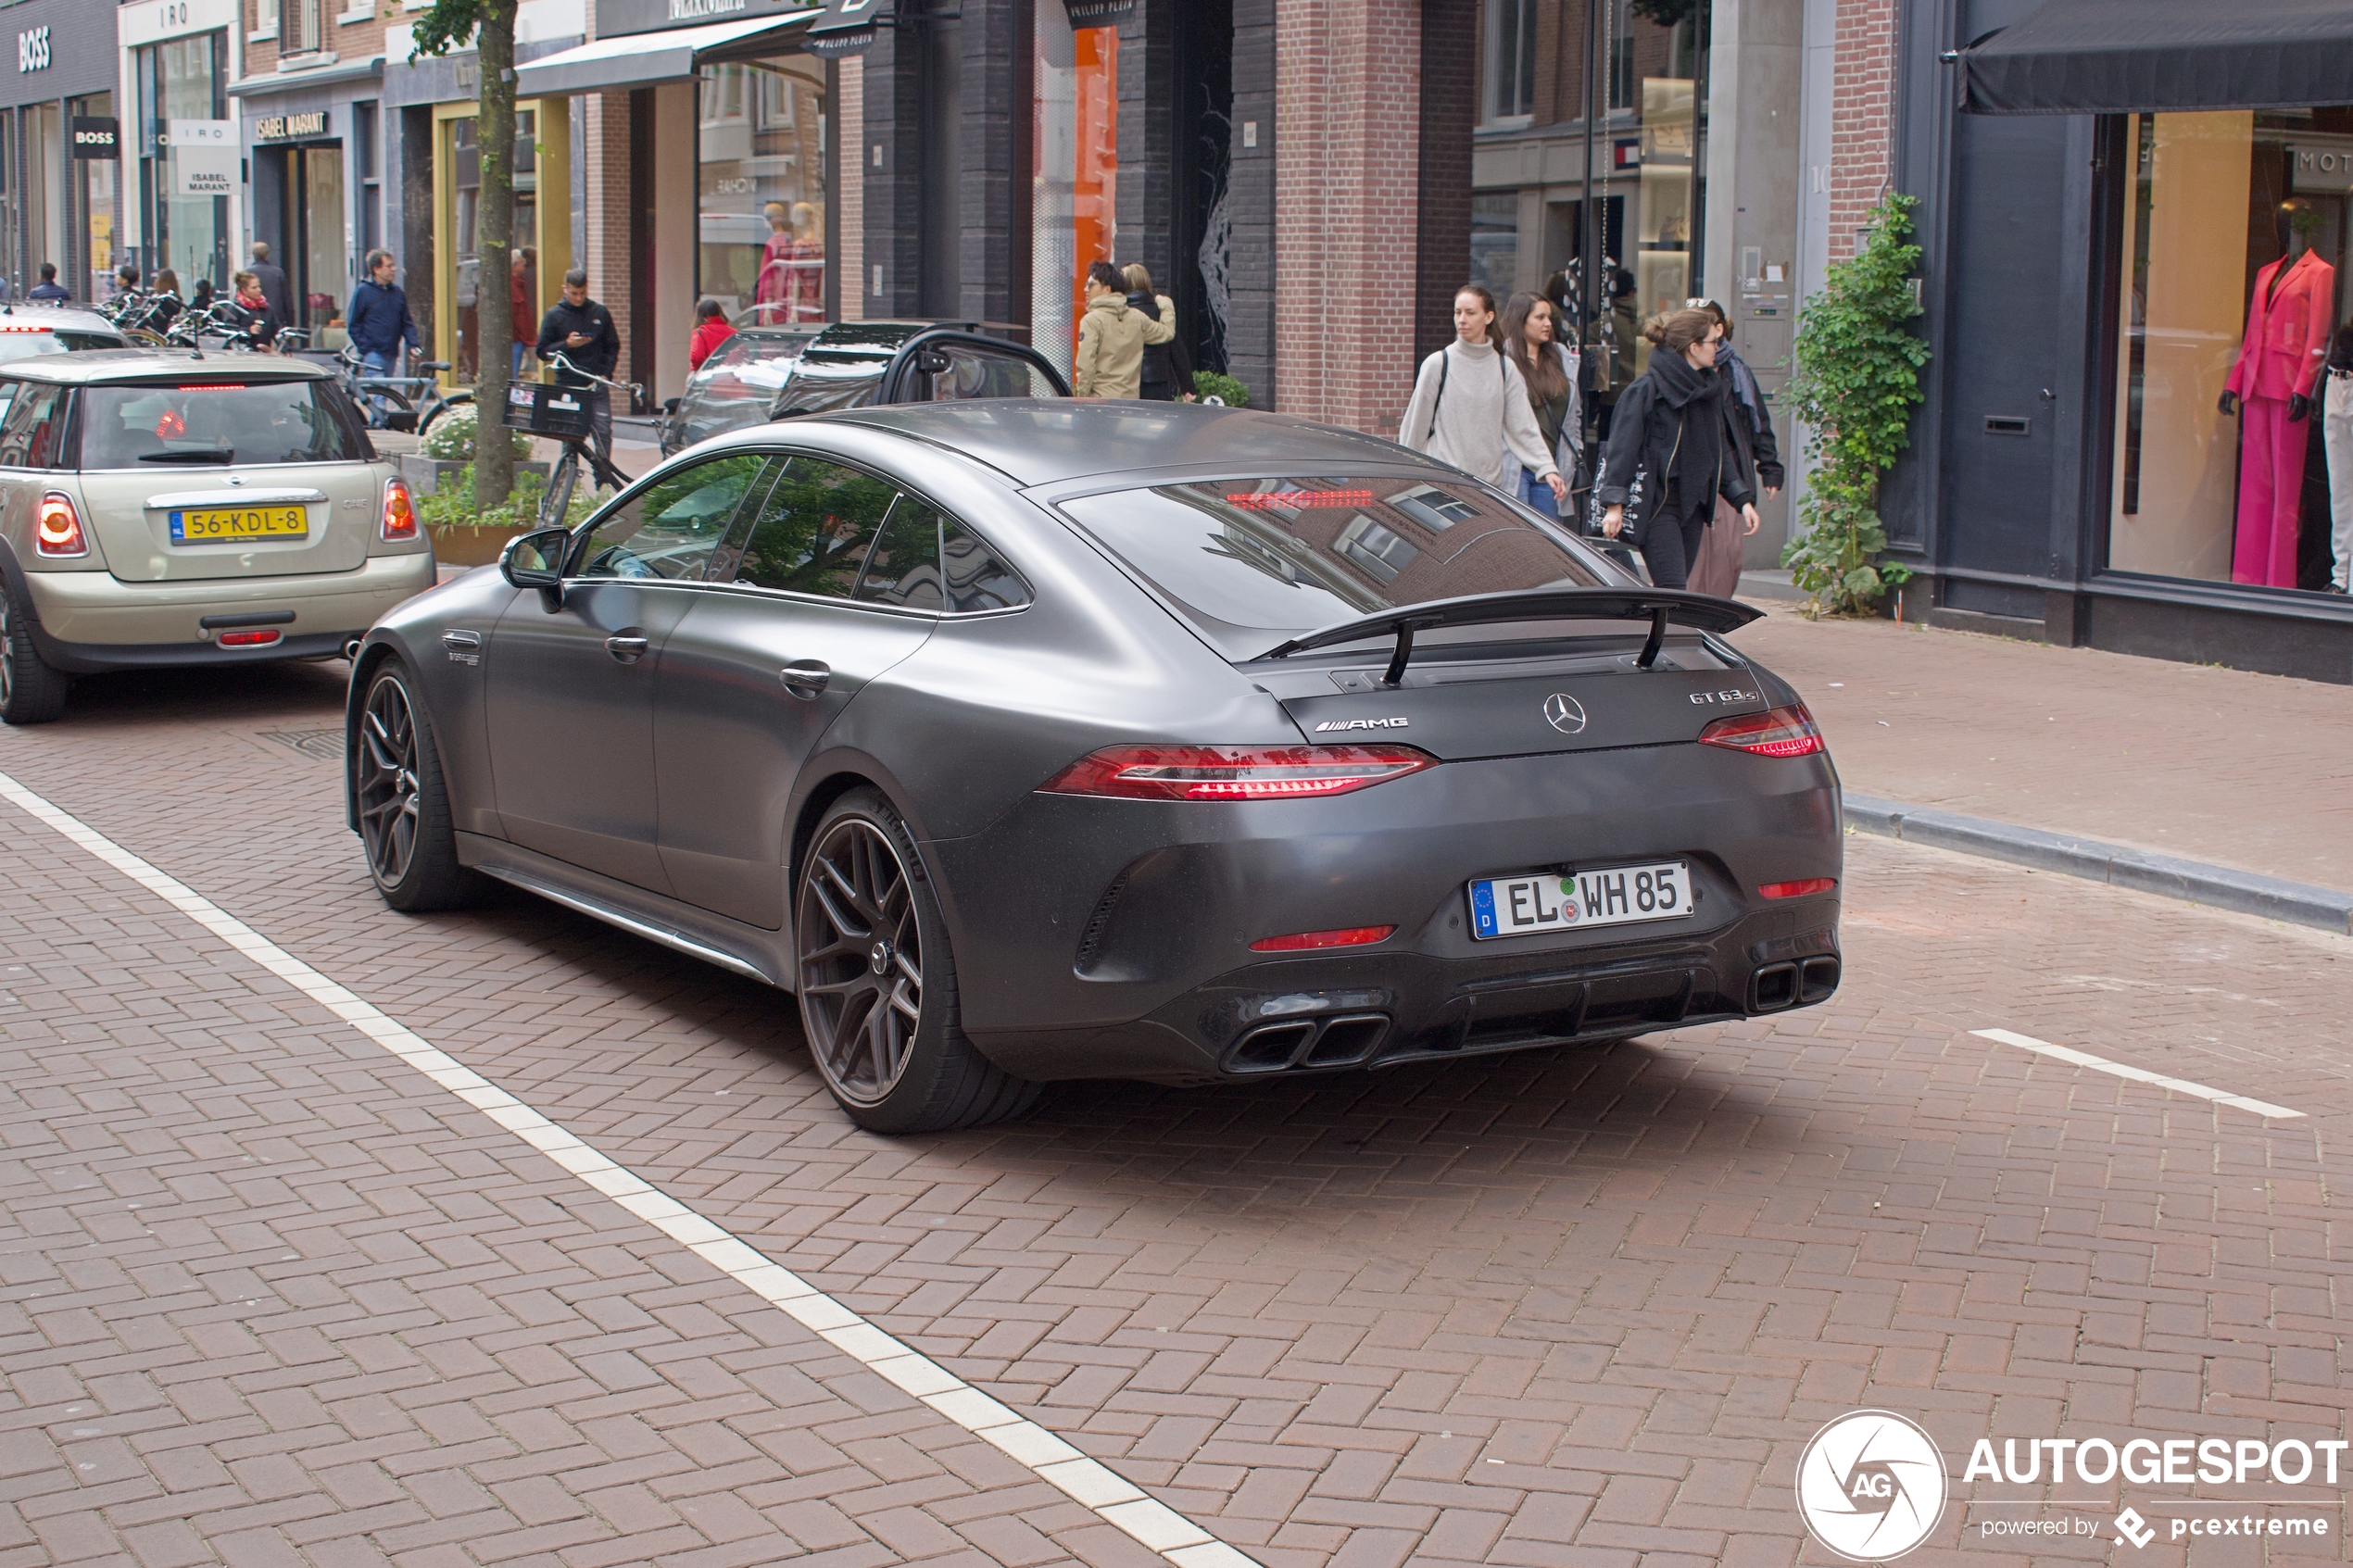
pixel 489 26
pixel 1856 381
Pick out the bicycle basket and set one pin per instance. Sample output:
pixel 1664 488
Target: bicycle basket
pixel 542 408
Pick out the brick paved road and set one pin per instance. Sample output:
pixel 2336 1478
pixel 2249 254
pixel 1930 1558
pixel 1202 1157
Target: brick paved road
pixel 268 1296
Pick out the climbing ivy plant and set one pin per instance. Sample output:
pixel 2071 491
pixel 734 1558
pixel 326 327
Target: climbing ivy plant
pixel 1857 379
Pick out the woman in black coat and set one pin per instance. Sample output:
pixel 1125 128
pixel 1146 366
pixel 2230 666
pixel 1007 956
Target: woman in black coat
pixel 1674 428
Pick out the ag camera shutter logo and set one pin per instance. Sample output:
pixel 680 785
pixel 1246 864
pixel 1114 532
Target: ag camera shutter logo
pixel 1871 1486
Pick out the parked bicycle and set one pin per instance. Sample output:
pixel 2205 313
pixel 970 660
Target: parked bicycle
pixel 413 402
pixel 537 405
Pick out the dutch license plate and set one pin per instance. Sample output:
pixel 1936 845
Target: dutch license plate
pixel 1541 901
pixel 223 525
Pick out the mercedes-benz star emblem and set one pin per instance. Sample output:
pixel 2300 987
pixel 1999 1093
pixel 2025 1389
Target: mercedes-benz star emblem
pixel 1562 713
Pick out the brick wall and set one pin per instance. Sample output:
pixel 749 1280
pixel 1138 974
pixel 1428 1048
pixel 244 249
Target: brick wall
pixel 850 187
pixel 1448 109
pixel 1250 206
pixel 607 141
pixel 1348 169
pixel 355 38
pixel 1860 111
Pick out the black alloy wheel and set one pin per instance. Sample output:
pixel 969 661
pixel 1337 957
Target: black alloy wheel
pixel 404 806
pixel 31 691
pixel 877 986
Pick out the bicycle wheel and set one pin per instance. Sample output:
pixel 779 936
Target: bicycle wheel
pixel 556 503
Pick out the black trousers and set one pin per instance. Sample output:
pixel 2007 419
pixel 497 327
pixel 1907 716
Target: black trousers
pixel 1670 545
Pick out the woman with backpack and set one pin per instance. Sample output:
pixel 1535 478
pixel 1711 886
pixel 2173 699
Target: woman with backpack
pixel 1531 341
pixel 1470 407
pixel 1673 450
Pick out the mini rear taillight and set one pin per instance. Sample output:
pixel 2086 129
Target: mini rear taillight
pixel 1797 889
pixel 56 528
pixel 1784 732
pixel 1236 772
pixel 1308 941
pixel 262 639
pixel 400 512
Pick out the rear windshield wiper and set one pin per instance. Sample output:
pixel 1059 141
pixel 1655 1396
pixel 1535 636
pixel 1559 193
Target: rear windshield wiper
pixel 1660 606
pixel 192 454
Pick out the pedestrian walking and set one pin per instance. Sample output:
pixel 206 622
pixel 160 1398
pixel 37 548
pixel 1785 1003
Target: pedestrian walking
pixel 48 287
pixel 378 325
pixel 200 300
pixel 253 306
pixel 583 332
pixel 1672 450
pixel 1548 367
pixel 165 292
pixel 1112 338
pixel 1168 367
pixel 1470 406
pixel 272 279
pixel 710 331
pixel 518 307
pixel 1718 568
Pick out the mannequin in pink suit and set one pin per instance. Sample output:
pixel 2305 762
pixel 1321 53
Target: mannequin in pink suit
pixel 2286 342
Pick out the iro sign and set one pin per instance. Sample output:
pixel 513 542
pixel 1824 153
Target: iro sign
pixel 33 50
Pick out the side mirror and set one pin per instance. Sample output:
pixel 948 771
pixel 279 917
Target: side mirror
pixel 536 560
pixel 932 362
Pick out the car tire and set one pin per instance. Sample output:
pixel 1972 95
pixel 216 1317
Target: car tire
pixel 883 1026
pixel 30 691
pixel 405 820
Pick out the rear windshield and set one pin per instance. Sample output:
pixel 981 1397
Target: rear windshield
pixel 18 343
pixel 260 421
pixel 1249 557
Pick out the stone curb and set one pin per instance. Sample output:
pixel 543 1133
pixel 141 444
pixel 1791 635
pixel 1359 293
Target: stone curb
pixel 2192 880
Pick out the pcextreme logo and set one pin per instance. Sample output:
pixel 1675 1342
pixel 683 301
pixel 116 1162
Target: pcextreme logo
pixel 1870 1485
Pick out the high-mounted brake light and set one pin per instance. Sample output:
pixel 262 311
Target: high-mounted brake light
pixel 1784 732
pixel 1797 889
pixel 1308 941
pixel 56 528
pixel 1299 500
pixel 1236 772
pixel 400 512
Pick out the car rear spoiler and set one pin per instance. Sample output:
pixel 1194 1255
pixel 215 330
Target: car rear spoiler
pixel 1660 606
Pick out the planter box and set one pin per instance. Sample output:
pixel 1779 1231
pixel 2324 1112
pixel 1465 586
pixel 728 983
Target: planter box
pixel 424 474
pixel 470 547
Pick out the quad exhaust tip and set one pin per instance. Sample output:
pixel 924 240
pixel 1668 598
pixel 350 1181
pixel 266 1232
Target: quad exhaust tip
pixel 1802 983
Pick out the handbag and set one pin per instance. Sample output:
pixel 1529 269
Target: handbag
pixel 1642 495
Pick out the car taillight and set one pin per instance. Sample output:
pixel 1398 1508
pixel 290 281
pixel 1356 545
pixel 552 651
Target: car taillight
pixel 57 528
pixel 400 513
pixel 1797 889
pixel 1784 732
pixel 1307 941
pixel 1236 772
pixel 249 639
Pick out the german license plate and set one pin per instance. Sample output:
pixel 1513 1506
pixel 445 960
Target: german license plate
pixel 223 525
pixel 1535 902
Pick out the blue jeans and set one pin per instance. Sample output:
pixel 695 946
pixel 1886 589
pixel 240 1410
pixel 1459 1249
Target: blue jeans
pixel 1538 494
pixel 379 406
pixel 520 349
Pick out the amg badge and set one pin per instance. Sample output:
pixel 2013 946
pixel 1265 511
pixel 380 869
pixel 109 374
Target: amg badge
pixel 1334 725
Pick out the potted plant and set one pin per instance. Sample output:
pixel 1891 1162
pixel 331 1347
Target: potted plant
pixel 462 536
pixel 449 447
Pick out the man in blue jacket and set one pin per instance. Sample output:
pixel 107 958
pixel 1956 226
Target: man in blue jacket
pixel 48 287
pixel 379 324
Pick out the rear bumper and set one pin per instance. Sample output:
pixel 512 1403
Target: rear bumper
pixel 88 621
pixel 1112 938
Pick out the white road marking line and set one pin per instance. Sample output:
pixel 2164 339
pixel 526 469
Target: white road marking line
pixel 1088 1482
pixel 2138 1074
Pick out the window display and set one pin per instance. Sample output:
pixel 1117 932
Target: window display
pixel 2234 236
pixel 762 218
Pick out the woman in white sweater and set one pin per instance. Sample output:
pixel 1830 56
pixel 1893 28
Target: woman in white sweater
pixel 1470 405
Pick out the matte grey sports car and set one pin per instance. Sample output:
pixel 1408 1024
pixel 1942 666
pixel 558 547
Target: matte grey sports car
pixel 1028 740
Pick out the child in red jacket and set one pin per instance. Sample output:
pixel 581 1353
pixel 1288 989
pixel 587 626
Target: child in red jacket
pixel 710 331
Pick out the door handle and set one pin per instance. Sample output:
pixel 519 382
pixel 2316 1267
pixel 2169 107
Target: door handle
pixel 804 678
pixel 627 649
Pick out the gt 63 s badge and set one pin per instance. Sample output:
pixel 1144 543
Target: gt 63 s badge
pixel 1870 1485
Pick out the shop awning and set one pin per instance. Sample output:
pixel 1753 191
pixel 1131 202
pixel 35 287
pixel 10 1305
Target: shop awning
pixel 638 59
pixel 2120 56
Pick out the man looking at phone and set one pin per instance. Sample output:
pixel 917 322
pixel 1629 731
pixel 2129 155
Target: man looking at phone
pixel 583 332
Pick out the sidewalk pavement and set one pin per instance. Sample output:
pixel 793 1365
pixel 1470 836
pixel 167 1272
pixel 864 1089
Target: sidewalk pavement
pixel 2249 772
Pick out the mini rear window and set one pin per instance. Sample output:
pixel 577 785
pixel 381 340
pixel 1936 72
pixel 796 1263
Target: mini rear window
pixel 18 343
pixel 201 422
pixel 1245 558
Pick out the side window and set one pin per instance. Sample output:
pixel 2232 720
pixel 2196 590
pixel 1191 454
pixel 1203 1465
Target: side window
pixel 973 371
pixel 29 432
pixel 670 528
pixel 814 528
pixel 903 569
pixel 976 578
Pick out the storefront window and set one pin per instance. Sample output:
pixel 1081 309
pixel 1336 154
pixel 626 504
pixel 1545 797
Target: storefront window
pixel 762 217
pixel 187 226
pixel 2233 249
pixel 1076 175
pixel 94 196
pixel 462 268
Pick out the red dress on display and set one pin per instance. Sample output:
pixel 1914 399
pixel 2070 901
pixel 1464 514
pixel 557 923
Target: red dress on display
pixel 2286 342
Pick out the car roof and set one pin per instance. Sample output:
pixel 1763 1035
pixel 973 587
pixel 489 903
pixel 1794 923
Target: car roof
pixel 145 364
pixel 49 315
pixel 1043 440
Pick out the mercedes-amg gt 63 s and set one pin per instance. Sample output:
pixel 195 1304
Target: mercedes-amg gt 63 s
pixel 1027 740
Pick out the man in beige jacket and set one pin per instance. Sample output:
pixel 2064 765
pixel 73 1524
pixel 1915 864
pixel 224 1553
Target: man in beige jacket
pixel 1112 338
